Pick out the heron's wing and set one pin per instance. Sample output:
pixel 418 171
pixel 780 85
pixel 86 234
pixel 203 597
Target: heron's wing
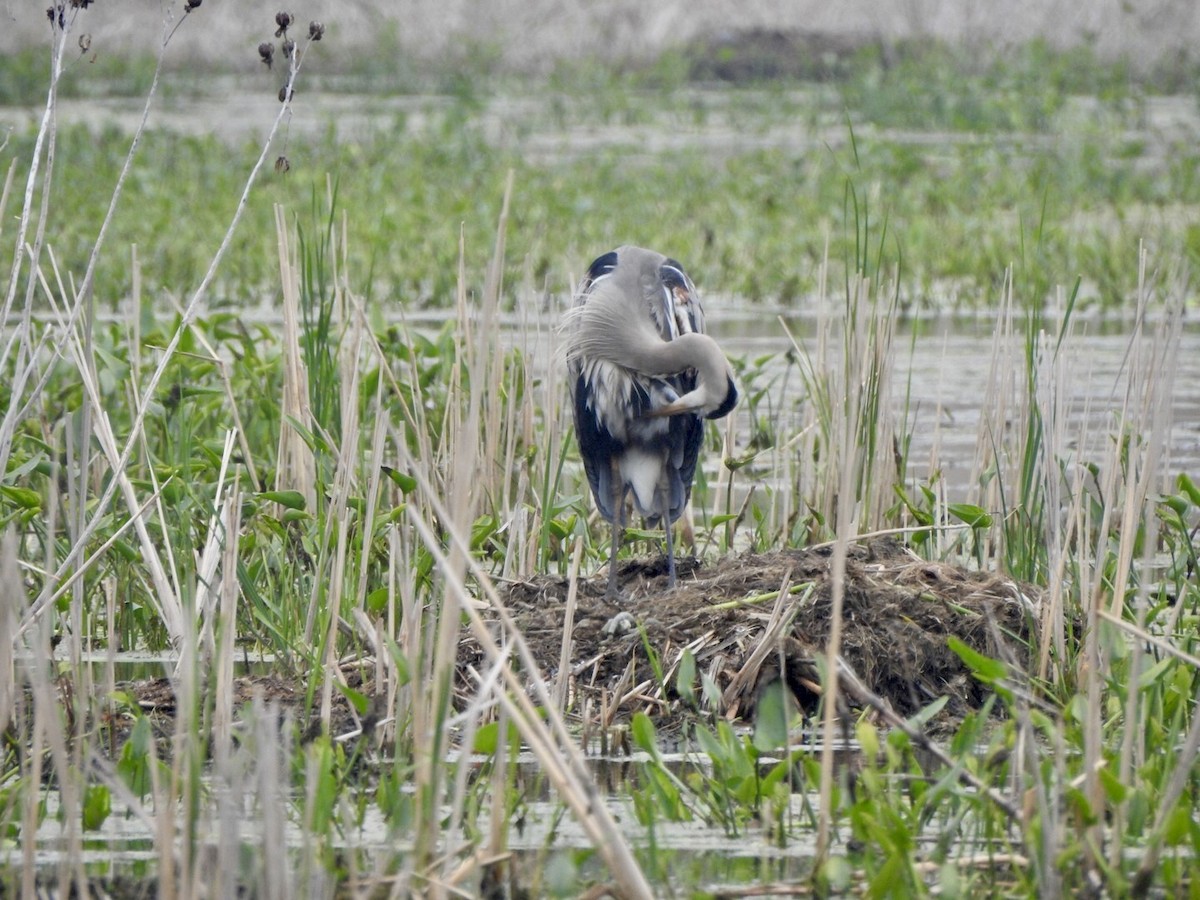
pixel 686 437
pixel 681 310
pixel 597 447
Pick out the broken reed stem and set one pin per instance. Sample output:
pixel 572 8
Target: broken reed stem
pixel 562 683
pixel 755 599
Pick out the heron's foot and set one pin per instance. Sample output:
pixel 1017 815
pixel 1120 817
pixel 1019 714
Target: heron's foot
pixel 620 624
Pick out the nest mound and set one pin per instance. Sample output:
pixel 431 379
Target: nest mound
pixel 898 613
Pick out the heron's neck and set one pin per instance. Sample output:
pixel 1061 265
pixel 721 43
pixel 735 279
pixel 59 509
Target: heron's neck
pixel 689 351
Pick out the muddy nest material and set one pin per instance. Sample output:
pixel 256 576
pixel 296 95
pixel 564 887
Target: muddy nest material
pixel 898 612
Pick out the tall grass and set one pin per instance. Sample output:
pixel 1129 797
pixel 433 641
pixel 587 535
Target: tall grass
pixel 344 494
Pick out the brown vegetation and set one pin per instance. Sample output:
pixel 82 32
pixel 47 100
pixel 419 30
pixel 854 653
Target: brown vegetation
pixel 899 612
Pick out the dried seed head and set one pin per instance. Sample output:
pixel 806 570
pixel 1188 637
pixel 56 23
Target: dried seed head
pixel 284 21
pixel 288 46
pixel 85 43
pixel 316 31
pixel 190 5
pixel 266 52
pixel 282 165
pixel 285 95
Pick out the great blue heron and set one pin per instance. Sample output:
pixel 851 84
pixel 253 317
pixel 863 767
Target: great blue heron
pixel 644 376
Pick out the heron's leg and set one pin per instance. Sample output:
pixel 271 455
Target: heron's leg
pixel 613 592
pixel 666 518
pixel 618 522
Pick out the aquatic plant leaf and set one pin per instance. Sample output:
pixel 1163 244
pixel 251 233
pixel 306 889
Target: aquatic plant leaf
pixel 1152 674
pixel 290 499
pixel 1177 826
pixel 1188 487
pixel 643 733
pixel 712 692
pixel 868 739
pixel 1114 789
pixel 986 669
pixel 134 764
pixel 771 718
pixel 685 678
pixel 970 514
pixel 38 464
pixel 97 805
pixel 22 497
pixel 487 739
pixel 406 483
pixel 377 600
pixel 709 744
pixel 918 719
pixel 358 700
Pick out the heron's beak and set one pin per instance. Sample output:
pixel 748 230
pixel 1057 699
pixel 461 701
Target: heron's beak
pixel 671 409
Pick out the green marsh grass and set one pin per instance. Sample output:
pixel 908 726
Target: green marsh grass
pixel 346 492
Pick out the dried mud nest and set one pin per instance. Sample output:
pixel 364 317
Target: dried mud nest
pixel 898 613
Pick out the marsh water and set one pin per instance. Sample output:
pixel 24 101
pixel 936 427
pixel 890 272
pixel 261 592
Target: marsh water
pixel 942 369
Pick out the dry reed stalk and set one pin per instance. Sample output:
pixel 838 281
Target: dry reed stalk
pixel 542 728
pixel 344 482
pixel 226 627
pixel 51 739
pixel 999 395
pixel 849 455
pixel 490 356
pixel 455 838
pixel 1151 384
pixel 562 683
pixel 1054 394
pixel 12 603
pixel 46 134
pixel 271 792
pixel 296 467
pixel 207 592
pixel 374 468
pixel 165 597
